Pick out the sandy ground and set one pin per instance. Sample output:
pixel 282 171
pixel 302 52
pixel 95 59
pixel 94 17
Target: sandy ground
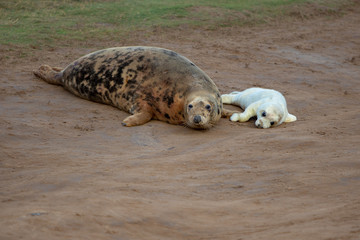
pixel 69 170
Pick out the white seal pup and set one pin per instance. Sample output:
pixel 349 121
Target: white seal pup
pixel 268 105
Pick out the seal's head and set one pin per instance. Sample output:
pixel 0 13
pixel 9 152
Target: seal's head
pixel 269 115
pixel 202 111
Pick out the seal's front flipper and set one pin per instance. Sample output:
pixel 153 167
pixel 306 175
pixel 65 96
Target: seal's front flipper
pixel 49 74
pixel 225 113
pixel 137 119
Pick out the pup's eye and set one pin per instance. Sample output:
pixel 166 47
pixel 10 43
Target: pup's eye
pixel 264 114
pixel 190 106
pixel 208 107
pixel 272 123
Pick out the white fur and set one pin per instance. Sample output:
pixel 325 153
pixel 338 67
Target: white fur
pixel 256 101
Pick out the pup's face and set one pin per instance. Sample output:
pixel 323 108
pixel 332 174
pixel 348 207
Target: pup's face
pixel 268 116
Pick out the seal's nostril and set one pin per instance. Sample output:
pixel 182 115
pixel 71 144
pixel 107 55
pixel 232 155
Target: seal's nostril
pixel 197 119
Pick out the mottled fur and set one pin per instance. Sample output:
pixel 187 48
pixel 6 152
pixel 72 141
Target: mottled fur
pixel 147 82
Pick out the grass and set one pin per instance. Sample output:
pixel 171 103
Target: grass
pixel 49 22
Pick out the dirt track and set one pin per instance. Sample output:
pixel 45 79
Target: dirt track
pixel 69 170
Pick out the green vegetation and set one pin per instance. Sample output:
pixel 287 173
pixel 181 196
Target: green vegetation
pixel 39 22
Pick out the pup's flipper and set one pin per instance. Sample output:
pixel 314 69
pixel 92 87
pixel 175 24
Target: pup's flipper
pixel 290 118
pixel 227 98
pixel 249 112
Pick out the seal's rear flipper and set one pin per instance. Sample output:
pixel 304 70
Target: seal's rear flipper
pixel 52 75
pixel 290 118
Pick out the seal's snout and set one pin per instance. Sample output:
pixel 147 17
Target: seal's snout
pixel 259 123
pixel 197 119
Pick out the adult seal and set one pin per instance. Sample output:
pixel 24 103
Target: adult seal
pixel 147 82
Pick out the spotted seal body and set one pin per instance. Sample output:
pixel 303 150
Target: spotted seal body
pixel 147 82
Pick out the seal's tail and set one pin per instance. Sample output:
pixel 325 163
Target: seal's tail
pixel 52 75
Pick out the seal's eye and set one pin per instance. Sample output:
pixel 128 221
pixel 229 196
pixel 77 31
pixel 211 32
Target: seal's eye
pixel 208 107
pixel 190 106
pixel 272 123
pixel 264 114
